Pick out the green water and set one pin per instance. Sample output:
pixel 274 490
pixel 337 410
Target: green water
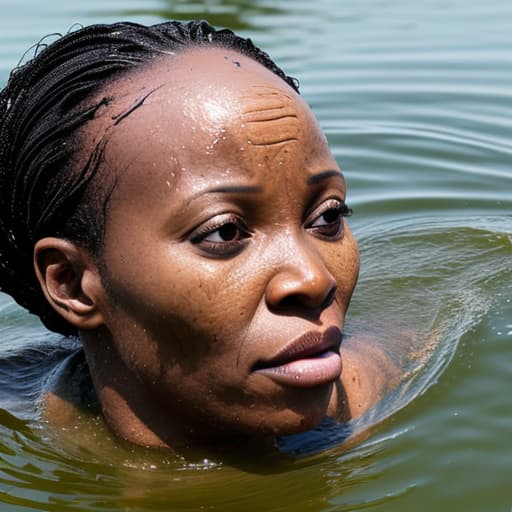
pixel 416 100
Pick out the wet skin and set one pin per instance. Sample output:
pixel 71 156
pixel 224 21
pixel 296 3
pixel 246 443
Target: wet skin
pixel 227 266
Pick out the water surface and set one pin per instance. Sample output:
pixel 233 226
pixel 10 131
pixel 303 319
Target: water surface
pixel 416 100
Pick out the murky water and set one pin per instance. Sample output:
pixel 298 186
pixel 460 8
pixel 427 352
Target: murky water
pixel 416 99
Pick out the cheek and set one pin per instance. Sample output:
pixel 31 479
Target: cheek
pixel 176 298
pixel 344 266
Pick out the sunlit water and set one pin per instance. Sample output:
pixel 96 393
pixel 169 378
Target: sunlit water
pixel 416 100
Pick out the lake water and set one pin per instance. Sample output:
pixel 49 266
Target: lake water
pixel 416 100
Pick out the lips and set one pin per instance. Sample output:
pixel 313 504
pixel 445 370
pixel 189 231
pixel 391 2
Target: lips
pixel 311 360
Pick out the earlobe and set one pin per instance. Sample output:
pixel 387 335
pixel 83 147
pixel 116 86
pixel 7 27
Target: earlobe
pixel 70 281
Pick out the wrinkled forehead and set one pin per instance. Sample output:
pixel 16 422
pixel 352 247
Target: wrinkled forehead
pixel 202 89
pixel 205 111
pixel 215 82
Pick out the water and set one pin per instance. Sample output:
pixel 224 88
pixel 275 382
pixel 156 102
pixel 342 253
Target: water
pixel 415 98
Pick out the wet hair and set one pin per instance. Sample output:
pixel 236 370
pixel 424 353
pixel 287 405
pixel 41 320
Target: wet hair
pixel 42 109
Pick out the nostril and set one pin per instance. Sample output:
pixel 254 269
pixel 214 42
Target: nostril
pixel 329 299
pixel 299 301
pixel 290 302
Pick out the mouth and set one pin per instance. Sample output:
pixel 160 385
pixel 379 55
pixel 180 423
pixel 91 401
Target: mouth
pixel 311 360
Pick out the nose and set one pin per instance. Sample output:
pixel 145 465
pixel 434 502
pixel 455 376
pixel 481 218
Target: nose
pixel 301 281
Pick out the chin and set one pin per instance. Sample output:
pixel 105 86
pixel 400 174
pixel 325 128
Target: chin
pixel 301 424
pixel 291 411
pixel 301 412
pixel 289 421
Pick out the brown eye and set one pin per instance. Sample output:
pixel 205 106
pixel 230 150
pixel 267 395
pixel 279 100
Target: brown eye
pixel 327 219
pixel 224 235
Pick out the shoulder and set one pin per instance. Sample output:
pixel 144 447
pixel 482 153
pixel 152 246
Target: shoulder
pixel 69 391
pixel 368 374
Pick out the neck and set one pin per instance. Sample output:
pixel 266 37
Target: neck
pixel 127 406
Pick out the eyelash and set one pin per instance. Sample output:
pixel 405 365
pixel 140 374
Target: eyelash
pixel 223 247
pixel 332 229
pixel 236 228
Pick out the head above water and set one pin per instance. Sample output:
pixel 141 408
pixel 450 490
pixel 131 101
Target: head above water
pixel 220 252
pixel 47 101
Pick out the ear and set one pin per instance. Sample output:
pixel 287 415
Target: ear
pixel 70 280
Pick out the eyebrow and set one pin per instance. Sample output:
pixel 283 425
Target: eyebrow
pixel 316 178
pixel 227 189
pixel 256 189
pixel 238 189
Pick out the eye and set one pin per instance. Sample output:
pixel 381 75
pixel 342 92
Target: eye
pixel 223 235
pixel 326 221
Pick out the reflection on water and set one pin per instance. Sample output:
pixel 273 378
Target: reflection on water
pixel 419 116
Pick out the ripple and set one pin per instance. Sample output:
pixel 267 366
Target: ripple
pixel 425 131
pixel 415 100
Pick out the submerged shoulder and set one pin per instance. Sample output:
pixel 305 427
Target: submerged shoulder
pixel 368 374
pixel 69 392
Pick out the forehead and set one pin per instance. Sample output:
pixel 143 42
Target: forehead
pixel 203 108
pixel 208 82
pixel 199 86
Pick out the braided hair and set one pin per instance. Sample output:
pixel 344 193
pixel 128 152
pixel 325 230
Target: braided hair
pixel 41 111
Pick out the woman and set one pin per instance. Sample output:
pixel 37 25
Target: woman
pixel 168 197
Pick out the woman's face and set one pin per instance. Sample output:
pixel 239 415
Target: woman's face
pixel 228 264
